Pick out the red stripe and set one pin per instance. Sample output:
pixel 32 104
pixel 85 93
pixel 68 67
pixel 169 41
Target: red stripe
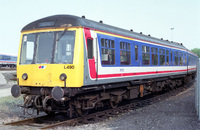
pixel 7 62
pixel 193 68
pixel 138 73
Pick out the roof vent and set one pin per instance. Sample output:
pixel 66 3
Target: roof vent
pixel 140 32
pixel 83 16
pixel 100 21
pixel 131 30
pixel 149 35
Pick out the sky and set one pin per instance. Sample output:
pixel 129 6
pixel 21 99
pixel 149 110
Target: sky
pixel 154 17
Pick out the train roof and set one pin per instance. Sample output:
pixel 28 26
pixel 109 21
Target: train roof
pixel 73 21
pixel 3 54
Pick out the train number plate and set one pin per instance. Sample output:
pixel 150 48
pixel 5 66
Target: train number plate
pixel 69 67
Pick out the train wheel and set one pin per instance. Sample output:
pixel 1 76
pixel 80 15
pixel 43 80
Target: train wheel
pixel 112 104
pixel 47 105
pixel 81 112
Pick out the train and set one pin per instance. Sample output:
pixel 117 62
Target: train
pixel 71 64
pixel 7 60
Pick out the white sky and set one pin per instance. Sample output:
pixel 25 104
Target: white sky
pixel 155 17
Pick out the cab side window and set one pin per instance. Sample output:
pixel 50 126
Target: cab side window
pixel 90 48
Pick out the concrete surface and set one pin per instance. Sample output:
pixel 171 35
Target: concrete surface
pixel 2 79
pixel 5 92
pixel 5 84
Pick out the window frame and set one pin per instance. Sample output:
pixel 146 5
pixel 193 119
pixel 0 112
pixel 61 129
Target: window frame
pixel 161 54
pixel 167 56
pixel 125 47
pixel 154 52
pixel 108 46
pixel 176 58
pixel 146 54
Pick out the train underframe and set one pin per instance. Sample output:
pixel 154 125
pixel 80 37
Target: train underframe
pixel 81 100
pixel 8 65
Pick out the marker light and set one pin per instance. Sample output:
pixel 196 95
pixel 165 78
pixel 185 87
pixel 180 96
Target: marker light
pixel 25 76
pixel 63 77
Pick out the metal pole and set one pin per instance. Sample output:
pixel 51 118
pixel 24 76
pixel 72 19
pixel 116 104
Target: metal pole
pixel 197 90
pixel 198 85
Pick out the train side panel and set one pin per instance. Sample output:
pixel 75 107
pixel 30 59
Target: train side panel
pixel 97 73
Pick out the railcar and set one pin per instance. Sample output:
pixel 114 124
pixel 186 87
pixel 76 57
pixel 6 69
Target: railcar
pixel 8 60
pixel 70 63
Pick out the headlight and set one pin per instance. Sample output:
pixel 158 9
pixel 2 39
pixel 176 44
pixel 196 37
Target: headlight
pixel 25 76
pixel 63 77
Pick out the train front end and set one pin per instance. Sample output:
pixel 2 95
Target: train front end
pixel 49 66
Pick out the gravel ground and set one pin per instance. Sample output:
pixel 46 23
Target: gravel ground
pixel 177 112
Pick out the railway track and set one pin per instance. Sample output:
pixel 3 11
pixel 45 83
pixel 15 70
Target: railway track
pixel 46 122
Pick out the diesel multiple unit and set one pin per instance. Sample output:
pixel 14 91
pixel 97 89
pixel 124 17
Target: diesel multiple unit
pixel 68 63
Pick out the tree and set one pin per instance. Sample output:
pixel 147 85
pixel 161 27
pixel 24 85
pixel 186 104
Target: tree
pixel 196 51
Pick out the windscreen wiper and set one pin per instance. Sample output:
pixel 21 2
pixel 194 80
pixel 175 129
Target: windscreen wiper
pixel 63 32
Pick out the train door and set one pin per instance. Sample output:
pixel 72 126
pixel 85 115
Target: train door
pixel 91 53
pixel 136 54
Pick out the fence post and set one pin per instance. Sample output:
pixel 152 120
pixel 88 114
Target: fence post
pixel 197 90
pixel 198 85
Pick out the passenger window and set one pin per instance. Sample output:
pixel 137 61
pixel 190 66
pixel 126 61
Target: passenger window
pixel 181 58
pixel 171 56
pixel 107 52
pixel 162 56
pixel 185 58
pixel 125 53
pixel 145 55
pixel 90 48
pixel 136 53
pixel 154 56
pixel 176 58
pixel 167 57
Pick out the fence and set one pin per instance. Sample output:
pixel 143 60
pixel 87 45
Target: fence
pixel 197 90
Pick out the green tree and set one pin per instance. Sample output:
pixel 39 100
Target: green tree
pixel 196 51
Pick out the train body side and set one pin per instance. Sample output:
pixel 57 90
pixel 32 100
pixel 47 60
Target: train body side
pixel 98 73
